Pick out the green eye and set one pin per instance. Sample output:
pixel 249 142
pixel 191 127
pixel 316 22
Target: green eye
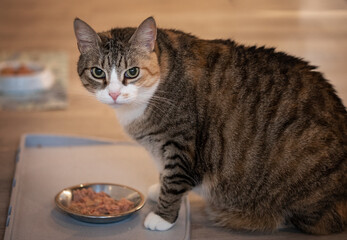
pixel 132 73
pixel 97 73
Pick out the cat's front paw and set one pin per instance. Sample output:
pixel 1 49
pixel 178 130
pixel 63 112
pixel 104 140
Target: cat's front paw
pixel 155 222
pixel 153 192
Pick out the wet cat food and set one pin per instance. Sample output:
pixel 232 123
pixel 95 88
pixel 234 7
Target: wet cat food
pixel 88 202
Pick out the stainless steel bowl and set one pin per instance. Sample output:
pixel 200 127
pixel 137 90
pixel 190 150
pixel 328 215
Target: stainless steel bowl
pixel 63 200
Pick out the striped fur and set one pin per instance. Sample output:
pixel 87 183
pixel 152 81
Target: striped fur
pixel 261 132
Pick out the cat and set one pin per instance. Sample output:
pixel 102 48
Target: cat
pixel 260 134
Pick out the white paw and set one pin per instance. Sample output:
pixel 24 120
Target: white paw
pixel 155 222
pixel 153 192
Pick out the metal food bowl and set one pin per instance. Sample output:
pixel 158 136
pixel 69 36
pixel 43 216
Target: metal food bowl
pixel 116 191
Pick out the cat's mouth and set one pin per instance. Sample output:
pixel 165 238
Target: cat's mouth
pixel 119 103
pixel 116 105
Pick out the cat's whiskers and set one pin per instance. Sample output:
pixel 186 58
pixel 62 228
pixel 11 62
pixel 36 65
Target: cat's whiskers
pixel 163 99
pixel 163 113
pixel 158 98
pixel 158 91
pixel 156 107
pixel 151 105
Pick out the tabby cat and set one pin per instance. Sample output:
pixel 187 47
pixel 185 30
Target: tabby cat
pixel 260 134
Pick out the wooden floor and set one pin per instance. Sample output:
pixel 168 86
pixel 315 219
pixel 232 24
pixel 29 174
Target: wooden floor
pixel 313 29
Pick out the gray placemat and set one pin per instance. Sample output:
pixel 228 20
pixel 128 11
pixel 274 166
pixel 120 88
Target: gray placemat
pixel 51 99
pixel 44 168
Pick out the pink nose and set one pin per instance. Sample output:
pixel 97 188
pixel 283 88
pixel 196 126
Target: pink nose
pixel 114 95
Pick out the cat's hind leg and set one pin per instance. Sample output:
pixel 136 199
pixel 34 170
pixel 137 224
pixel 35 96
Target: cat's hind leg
pixel 324 221
pixel 245 221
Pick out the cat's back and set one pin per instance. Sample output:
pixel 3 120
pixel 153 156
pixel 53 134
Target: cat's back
pixel 255 89
pixel 264 79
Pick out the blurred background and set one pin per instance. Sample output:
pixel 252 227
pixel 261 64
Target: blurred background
pixel 315 30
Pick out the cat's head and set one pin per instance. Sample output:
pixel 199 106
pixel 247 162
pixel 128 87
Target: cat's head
pixel 120 66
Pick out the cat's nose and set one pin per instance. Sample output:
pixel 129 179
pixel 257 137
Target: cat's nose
pixel 114 95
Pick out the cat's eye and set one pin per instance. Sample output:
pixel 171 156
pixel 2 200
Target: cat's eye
pixel 132 73
pixel 97 73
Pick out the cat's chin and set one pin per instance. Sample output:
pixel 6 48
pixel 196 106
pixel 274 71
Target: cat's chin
pixel 117 105
pixel 113 104
pixel 124 106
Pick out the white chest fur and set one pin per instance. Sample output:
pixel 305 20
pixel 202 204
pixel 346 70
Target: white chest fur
pixel 127 114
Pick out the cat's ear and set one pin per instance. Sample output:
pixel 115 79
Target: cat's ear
pixel 145 35
pixel 87 38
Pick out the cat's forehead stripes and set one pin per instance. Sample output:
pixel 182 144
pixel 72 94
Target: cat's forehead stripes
pixel 112 49
pixel 120 60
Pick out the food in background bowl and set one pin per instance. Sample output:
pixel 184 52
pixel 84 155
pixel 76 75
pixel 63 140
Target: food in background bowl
pixel 16 77
pixel 21 70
